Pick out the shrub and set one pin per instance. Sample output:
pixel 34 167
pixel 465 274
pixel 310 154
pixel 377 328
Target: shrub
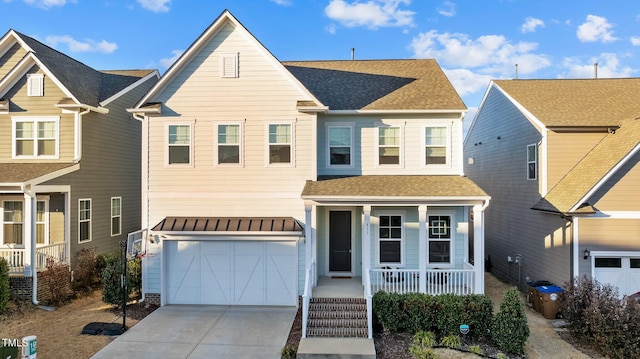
pixel 422 343
pixel 4 285
pixel 85 272
pixel 595 314
pixel 57 282
pixel 288 352
pixel 112 291
pixel 451 341
pixel 510 330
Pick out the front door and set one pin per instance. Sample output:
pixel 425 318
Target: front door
pixel 340 241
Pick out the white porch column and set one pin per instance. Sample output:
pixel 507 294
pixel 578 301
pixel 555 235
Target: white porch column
pixel 422 248
pixel 308 238
pixel 478 248
pixel 28 230
pixel 366 239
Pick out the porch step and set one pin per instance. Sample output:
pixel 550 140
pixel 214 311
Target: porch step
pixel 351 348
pixel 337 318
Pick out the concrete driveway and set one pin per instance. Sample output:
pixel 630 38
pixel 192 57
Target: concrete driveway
pixel 205 331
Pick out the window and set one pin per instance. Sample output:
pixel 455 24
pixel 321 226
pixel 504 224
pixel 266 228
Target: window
pixel 35 137
pixel 435 145
pixel 439 239
pixel 12 222
pixel 35 85
pixel 116 216
pixel 229 65
pixel 84 220
pixel 340 143
pixel 280 143
pixel 390 235
pixel 41 223
pixel 389 144
pixel 229 144
pixel 607 262
pixel 532 162
pixel 179 144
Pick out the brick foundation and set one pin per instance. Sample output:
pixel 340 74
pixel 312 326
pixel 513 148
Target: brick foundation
pixel 152 298
pixel 21 287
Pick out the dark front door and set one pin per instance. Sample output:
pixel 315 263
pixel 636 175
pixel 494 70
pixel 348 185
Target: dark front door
pixel 340 241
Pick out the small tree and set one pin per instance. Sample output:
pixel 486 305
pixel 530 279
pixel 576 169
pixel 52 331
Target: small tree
pixel 4 285
pixel 510 329
pixel 85 274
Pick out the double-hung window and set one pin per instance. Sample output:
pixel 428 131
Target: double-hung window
pixel 42 235
pixel 340 145
pixel 280 151
pixel 436 145
pixel 390 238
pixel 116 216
pixel 35 137
pixel 229 144
pixel 532 162
pixel 389 145
pixel 84 220
pixel 179 144
pixel 12 216
pixel 440 239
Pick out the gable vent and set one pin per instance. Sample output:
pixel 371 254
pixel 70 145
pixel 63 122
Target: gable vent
pixel 229 65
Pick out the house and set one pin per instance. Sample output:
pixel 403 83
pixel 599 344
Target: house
pixel 265 180
pixel 560 161
pixel 69 155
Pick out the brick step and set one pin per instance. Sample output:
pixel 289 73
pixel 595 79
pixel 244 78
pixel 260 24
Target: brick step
pixel 337 323
pixel 337 307
pixel 337 318
pixel 360 314
pixel 337 332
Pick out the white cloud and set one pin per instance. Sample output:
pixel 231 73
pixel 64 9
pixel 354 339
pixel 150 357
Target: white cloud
pixel 635 40
pixel 371 14
pixel 608 67
pixel 466 81
pixel 331 28
pixel 447 9
pixel 488 54
pixel 595 28
pixel 282 2
pixel 168 61
pixel 79 46
pixel 155 5
pixel 531 24
pixel 46 4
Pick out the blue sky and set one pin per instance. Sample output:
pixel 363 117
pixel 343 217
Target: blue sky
pixel 473 40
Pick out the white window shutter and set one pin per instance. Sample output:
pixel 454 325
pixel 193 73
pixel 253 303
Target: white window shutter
pixel 35 85
pixel 229 64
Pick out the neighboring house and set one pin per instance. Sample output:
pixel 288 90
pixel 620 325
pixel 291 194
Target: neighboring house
pixel 560 161
pixel 69 155
pixel 261 177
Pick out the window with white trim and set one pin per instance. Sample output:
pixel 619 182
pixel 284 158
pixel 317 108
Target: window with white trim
pixel 35 137
pixel 340 145
pixel 439 239
pixel 229 144
pixel 42 233
pixel 390 239
pixel 179 144
pixel 436 145
pixel 280 143
pixel 12 222
pixel 84 220
pixel 229 65
pixel 532 162
pixel 35 85
pixel 389 145
pixel 116 216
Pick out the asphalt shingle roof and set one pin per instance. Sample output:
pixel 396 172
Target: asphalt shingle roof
pixel 378 84
pixel 577 102
pixel 22 172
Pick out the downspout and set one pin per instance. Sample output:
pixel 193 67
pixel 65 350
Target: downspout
pixel 78 129
pixel 148 233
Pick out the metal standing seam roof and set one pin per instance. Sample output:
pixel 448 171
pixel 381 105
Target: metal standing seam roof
pixel 228 224
pixel 394 186
pixel 23 172
pixel 378 84
pixel 593 168
pixel 577 102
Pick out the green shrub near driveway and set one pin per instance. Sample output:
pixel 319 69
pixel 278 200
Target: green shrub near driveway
pixel 112 291
pixel 4 285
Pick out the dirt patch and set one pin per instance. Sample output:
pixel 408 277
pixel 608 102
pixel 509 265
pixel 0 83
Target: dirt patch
pixel 59 332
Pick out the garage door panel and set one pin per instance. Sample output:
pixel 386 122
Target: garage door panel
pixel 249 274
pixel 215 279
pixel 624 277
pixel 281 272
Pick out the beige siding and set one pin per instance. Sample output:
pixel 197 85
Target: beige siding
pixel 607 234
pixel 29 106
pixel 565 150
pixel 622 191
pixel 11 58
pixel 511 227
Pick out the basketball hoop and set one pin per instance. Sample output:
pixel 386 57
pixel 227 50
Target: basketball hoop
pixel 136 244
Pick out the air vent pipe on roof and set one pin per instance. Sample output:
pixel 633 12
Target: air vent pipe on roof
pixel 353 53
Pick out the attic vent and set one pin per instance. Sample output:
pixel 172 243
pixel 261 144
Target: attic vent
pixel 229 65
pixel 35 85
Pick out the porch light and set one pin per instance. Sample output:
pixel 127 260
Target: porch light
pixel 587 253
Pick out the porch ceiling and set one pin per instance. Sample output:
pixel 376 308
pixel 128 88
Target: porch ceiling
pixel 393 188
pixel 23 173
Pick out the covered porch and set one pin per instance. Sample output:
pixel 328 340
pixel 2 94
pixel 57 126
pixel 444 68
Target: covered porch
pixel 403 234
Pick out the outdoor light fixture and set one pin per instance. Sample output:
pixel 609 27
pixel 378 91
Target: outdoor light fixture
pixel 586 253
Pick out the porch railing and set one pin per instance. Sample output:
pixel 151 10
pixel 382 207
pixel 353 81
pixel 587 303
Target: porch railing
pixel 368 296
pixel 306 297
pixel 15 257
pixel 438 281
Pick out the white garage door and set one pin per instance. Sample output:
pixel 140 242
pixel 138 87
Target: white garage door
pixel 619 271
pixel 231 272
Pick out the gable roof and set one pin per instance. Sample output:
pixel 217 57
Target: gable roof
pixel 378 84
pixel 86 85
pixel 577 102
pixel 571 192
